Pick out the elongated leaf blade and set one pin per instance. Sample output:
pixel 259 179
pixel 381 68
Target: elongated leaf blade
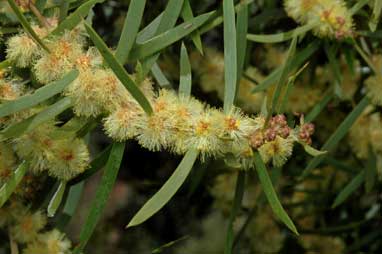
pixel 160 77
pixel 185 82
pixel 187 15
pixel 167 38
pixel 102 194
pixel 76 17
pixel 241 33
pixel 299 59
pixel 376 16
pixel 317 109
pixel 166 22
pixel 284 74
pixel 167 191
pixel 271 195
pixel 9 187
pixel 349 189
pixel 38 96
pixel 280 37
pixel 130 29
pixel 118 70
pixel 55 202
pixel 32 122
pixel 230 55
pixel 338 134
pixel 239 193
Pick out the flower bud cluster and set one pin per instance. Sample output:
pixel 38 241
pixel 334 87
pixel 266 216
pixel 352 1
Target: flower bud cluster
pixel 332 16
pixel 305 133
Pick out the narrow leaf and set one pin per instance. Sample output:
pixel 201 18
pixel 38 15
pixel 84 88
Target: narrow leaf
pixel 27 27
pixel 185 82
pixel 299 59
pixel 271 195
pixel 349 189
pixel 338 134
pixel 130 29
pixel 4 64
pixel 64 8
pixel 75 18
pixel 358 6
pixel 118 70
pixel 32 122
pixel 312 151
pixel 55 202
pixel 159 76
pixel 166 22
pixel 9 187
pixel 371 173
pixel 317 109
pixel 73 198
pixel 167 191
pixel 187 15
pixel 149 31
pixel 375 17
pixel 167 38
pixel 230 55
pixel 239 193
pixel 287 66
pixel 241 33
pixel 280 37
pixel 102 195
pixel 38 96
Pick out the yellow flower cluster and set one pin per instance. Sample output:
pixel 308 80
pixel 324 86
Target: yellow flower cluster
pixel 178 123
pixel 332 17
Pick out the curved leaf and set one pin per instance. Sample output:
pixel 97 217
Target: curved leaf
pixel 38 96
pixel 99 202
pixel 32 122
pixel 271 195
pixel 56 199
pixel 280 37
pixel 8 188
pixel 167 191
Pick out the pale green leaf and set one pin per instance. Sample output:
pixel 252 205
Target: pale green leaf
pixel 40 95
pixel 280 37
pixel 230 55
pixel 271 195
pixel 9 187
pixel 55 202
pixel 102 194
pixel 185 81
pixel 130 29
pixel 167 191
